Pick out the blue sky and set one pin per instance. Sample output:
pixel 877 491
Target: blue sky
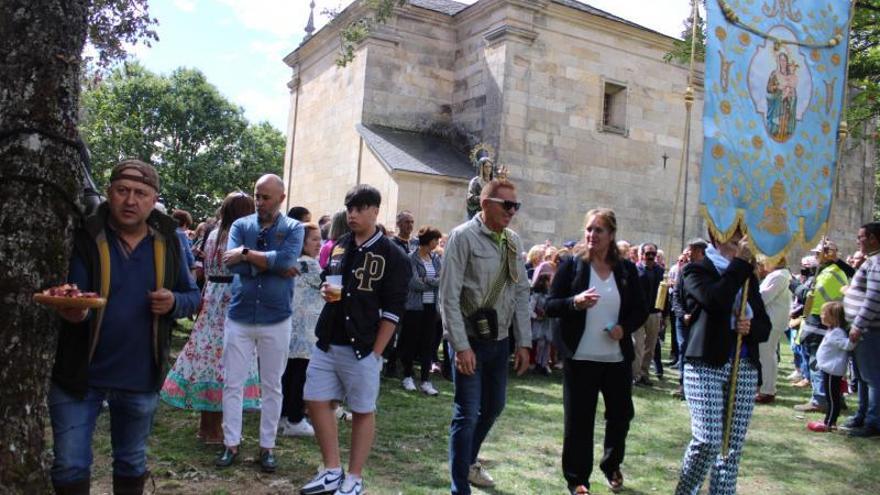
pixel 239 44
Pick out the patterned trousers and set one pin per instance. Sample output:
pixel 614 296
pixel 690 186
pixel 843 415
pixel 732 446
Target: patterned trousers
pixel 706 388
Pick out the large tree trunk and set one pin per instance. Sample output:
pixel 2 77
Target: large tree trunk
pixel 41 43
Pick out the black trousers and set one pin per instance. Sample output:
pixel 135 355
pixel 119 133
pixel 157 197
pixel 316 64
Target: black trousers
pixel 581 383
pixel 292 382
pixel 416 339
pixel 832 388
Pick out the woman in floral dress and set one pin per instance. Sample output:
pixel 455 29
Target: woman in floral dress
pixel 196 381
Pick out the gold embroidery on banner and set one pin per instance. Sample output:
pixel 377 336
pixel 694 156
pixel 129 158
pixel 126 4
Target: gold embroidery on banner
pixel 829 94
pixel 775 216
pixel 783 9
pixel 725 72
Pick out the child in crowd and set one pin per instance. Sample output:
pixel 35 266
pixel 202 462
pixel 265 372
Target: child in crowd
pixel 541 334
pixel 832 358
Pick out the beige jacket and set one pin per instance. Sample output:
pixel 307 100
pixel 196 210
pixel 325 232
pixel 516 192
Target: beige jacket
pixel 471 262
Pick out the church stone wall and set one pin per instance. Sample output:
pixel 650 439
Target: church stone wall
pixel 435 201
pixel 409 75
pixel 553 139
pixel 326 143
pixel 376 175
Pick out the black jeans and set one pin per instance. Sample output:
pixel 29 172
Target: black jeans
pixel 292 382
pixel 581 383
pixel 416 339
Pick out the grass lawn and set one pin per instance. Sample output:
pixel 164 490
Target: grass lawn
pixel 523 450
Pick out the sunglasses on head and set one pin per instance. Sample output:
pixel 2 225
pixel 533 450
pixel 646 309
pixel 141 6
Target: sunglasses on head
pixel 261 240
pixel 507 205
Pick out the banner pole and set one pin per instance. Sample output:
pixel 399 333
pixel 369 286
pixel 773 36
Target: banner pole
pixel 731 395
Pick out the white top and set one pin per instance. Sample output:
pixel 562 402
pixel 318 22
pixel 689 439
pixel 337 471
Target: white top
pixel 428 295
pixel 777 297
pixel 596 344
pixel 833 353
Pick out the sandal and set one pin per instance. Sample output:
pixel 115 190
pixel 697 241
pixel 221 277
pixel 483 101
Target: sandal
pixel 615 480
pixel 580 490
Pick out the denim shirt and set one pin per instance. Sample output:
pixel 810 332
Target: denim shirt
pixel 261 298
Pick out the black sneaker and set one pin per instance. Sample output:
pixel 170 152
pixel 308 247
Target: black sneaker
pixel 268 463
pixel 852 423
pixel 227 458
pixel 865 432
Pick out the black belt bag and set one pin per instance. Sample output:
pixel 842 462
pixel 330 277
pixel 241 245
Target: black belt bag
pixel 482 325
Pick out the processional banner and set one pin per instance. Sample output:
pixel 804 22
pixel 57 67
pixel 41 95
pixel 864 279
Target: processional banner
pixel 774 87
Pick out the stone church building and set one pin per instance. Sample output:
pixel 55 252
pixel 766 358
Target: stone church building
pixel 578 103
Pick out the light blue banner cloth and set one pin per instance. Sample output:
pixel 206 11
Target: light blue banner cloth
pixel 775 74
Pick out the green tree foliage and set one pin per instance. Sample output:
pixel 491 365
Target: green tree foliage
pixel 200 142
pixel 114 23
pixel 681 49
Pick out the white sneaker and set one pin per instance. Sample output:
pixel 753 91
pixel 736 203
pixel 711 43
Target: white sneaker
pixel 795 375
pixel 409 385
pixel 342 414
pixel 478 476
pixel 351 487
pixel 301 429
pixel 326 481
pixel 428 388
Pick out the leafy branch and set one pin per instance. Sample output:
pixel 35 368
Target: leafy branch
pixel 360 29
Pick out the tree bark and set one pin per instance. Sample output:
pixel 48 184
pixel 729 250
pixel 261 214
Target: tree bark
pixel 41 42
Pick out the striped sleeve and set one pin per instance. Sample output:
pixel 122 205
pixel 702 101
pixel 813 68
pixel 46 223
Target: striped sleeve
pixel 868 317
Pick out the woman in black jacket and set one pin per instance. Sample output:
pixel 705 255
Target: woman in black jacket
pixel 597 297
pixel 713 287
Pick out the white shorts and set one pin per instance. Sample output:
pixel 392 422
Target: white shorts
pixel 339 375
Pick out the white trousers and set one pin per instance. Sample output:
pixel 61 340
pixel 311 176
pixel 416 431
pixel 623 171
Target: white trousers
pixel 769 363
pixel 239 341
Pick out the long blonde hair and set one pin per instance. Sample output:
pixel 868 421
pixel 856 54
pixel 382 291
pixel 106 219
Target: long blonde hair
pixel 610 220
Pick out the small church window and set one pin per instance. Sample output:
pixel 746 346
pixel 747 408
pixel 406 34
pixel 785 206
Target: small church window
pixel 614 108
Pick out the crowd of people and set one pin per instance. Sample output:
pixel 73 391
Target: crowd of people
pixel 298 320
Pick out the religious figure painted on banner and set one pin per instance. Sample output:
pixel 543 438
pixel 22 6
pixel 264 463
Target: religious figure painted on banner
pixel 780 85
pixel 781 118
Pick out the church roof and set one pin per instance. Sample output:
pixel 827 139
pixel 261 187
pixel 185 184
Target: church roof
pixel 415 152
pixel 451 7
pixel 448 7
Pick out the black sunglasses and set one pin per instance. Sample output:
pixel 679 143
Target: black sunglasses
pixel 261 240
pixel 650 254
pixel 507 205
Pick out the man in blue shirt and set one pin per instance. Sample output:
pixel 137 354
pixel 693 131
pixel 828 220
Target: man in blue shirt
pixel 118 353
pixel 262 251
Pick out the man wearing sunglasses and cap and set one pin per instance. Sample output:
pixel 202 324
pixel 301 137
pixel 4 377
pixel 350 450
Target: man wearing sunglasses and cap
pixel 262 251
pixel 119 353
pixel 484 291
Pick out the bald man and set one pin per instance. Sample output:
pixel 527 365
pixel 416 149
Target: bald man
pixel 262 251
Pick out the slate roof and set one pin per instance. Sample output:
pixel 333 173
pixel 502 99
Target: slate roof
pixel 415 152
pixel 448 7
pixel 577 5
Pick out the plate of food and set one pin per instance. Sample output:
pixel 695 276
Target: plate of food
pixel 69 296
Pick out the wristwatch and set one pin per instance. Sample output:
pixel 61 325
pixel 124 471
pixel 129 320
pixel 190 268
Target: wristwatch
pixel 244 253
